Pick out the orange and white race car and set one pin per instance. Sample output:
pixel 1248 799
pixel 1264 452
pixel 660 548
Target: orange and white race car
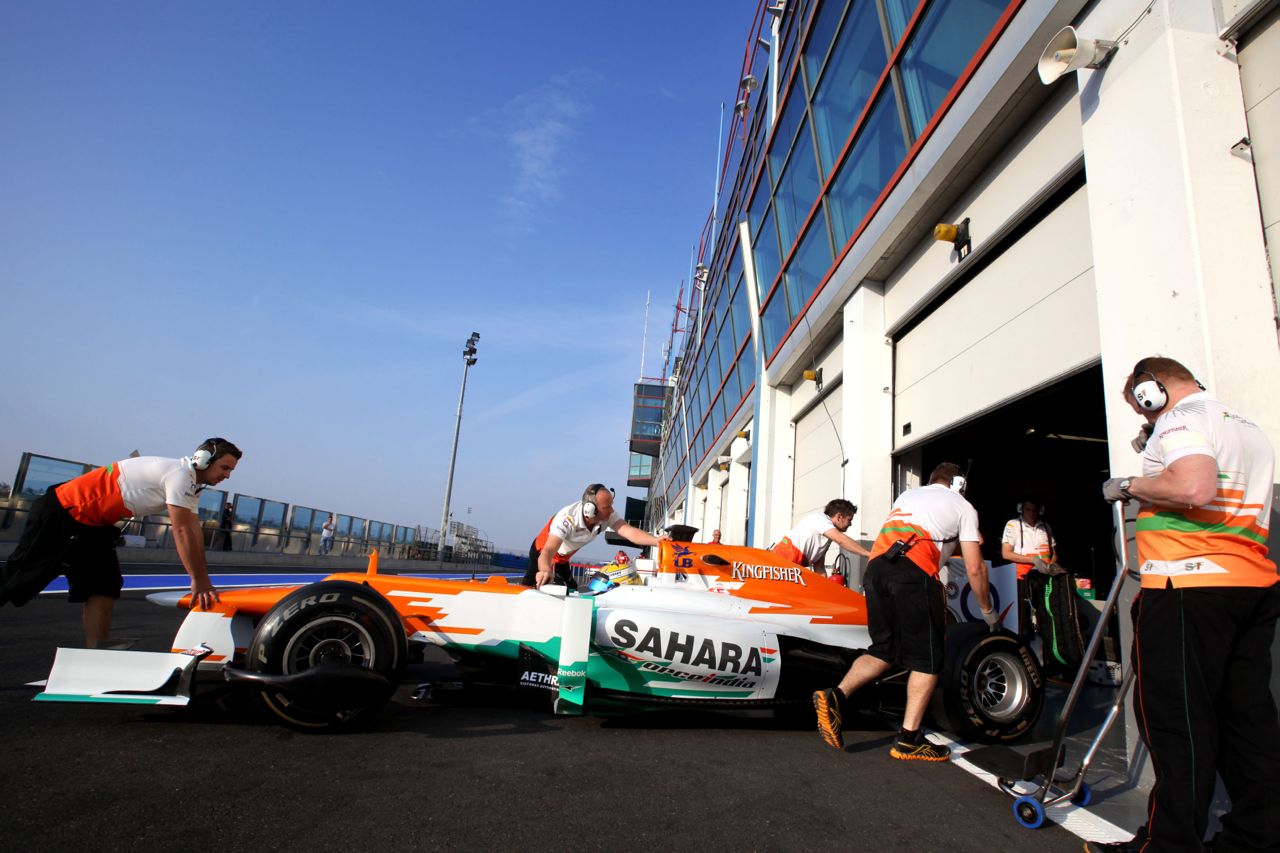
pixel 702 623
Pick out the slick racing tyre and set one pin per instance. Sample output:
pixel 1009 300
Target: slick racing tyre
pixel 991 689
pixel 328 628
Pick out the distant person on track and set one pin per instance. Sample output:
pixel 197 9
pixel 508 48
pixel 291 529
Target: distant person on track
pixel 572 527
pixel 72 530
pixel 224 525
pixel 326 536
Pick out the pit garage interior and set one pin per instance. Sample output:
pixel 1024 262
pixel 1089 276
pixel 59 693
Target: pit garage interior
pixel 1050 445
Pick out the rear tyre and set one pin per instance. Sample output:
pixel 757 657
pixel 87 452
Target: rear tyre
pixel 331 623
pixel 990 689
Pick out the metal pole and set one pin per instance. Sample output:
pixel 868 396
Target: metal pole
pixel 453 457
pixel 468 359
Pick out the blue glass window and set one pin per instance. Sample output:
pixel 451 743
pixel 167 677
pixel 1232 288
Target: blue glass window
pixel 301 519
pixel 768 261
pixel 741 313
pixel 747 368
pixel 899 12
pixel 797 190
pixel 943 44
pixel 809 264
pixel 877 153
pixel 247 509
pixel 727 345
pixel 756 213
pixel 774 323
pixel 788 122
pixel 43 472
pixel 856 65
pixel 273 514
pixel 210 506
pixel 820 35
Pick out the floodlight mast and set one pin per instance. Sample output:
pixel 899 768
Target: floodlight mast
pixel 468 358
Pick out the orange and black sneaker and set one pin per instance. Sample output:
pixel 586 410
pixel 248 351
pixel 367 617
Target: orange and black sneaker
pixel 921 749
pixel 827 704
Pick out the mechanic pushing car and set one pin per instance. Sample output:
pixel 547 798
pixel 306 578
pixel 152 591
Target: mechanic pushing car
pixel 808 541
pixel 572 527
pixel 906 605
pixel 72 530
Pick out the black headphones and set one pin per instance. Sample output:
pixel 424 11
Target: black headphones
pixel 589 508
pixel 206 453
pixel 1150 394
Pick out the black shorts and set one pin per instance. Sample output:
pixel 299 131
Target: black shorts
pixel 905 615
pixel 53 543
pixel 563 573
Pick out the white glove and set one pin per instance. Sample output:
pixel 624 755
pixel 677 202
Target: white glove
pixel 992 618
pixel 1140 440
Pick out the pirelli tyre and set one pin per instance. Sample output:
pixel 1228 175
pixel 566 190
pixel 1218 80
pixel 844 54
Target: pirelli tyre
pixel 990 689
pixel 308 645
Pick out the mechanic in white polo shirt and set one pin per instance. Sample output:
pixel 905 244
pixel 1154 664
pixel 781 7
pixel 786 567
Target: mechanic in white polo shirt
pixel 808 541
pixel 572 527
pixel 72 530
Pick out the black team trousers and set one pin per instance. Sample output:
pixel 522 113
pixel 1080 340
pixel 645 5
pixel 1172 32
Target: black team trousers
pixel 1204 707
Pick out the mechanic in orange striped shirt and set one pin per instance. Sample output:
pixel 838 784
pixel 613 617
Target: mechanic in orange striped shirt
pixel 906 605
pixel 72 530
pixel 1205 618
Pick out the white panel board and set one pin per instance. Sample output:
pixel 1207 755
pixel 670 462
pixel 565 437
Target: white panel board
pixel 818 456
pixel 1028 317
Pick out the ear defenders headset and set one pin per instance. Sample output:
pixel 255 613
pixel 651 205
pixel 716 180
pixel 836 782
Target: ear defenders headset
pixel 1150 394
pixel 1039 507
pixel 205 453
pixel 589 508
pixel 958 484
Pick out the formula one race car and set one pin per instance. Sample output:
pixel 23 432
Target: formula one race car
pixel 706 624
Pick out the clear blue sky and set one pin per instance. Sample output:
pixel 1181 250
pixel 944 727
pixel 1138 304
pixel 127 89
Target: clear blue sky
pixel 278 222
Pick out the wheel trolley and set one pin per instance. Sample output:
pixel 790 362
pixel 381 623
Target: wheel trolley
pixel 1040 767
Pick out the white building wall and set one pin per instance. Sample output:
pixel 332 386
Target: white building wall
pixel 1260 76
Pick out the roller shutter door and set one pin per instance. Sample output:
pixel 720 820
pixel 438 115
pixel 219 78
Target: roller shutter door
pixel 1027 318
pixel 817 456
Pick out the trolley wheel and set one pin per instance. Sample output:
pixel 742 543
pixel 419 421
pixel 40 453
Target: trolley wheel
pixel 1029 812
pixel 1084 796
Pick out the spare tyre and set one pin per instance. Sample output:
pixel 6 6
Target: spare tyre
pixel 990 689
pixel 328 629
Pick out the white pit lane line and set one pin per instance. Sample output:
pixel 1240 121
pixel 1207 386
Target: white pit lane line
pixel 1075 819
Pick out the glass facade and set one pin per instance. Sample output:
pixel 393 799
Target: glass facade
pixel 861 82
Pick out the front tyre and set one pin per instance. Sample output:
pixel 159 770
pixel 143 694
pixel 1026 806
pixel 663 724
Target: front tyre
pixel 331 624
pixel 990 689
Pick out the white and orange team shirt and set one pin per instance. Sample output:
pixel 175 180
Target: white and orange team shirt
pixel 939 519
pixel 1224 542
pixel 144 485
pixel 573 530
pixel 808 540
pixel 1028 540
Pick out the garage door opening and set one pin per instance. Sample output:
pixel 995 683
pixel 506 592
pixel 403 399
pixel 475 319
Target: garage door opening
pixel 1050 444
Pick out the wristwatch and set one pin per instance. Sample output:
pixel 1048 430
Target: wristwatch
pixel 1124 488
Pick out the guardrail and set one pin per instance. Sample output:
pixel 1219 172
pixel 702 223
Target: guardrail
pixel 156 532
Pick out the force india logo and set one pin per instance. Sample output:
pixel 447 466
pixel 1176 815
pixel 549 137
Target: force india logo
pixel 746 571
pixel 730 660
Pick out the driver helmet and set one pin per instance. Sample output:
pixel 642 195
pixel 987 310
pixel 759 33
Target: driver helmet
pixel 598 582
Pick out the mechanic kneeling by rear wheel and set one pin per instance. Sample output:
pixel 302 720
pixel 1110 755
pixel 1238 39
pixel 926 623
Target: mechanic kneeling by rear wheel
pixel 906 606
